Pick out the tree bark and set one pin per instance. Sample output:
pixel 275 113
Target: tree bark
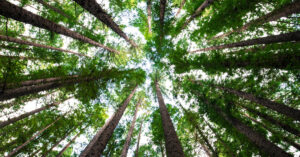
pixel 100 140
pixel 138 141
pixel 256 138
pixel 149 15
pixel 162 9
pixel 285 11
pixel 197 13
pixel 129 134
pixel 279 107
pixel 172 143
pixel 207 151
pixel 68 145
pixel 58 142
pixel 32 138
pixel 25 115
pixel 15 12
pixel 287 140
pixel 273 121
pixel 17 92
pixel 95 9
pixel 287 37
pixel 24 42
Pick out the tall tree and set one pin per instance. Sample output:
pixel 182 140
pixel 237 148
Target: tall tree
pixel 24 42
pixel 149 16
pixel 95 9
pixel 138 141
pixel 15 12
pixel 173 146
pixel 98 143
pixel 276 14
pixel 32 138
pixel 286 37
pixel 197 13
pixel 130 132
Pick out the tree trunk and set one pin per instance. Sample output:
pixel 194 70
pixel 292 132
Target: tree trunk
pixel 40 81
pixel 197 13
pixel 25 115
pixel 24 42
pixel 149 16
pixel 180 8
pixel 285 11
pixel 32 138
pixel 138 141
pixel 17 92
pixel 259 140
pixel 54 9
pixel 273 121
pixel 172 143
pixel 58 142
pixel 100 140
pixel 35 153
pixel 287 140
pixel 68 145
pixel 279 107
pixel 15 12
pixel 129 134
pixel 95 9
pixel 207 151
pixel 162 9
pixel 287 37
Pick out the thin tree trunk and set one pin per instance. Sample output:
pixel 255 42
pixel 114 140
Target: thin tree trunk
pixel 17 92
pixel 40 81
pixel 207 151
pixel 35 153
pixel 279 107
pixel 25 115
pixel 100 140
pixel 138 141
pixel 287 140
pixel 180 8
pixel 129 134
pixel 259 140
pixel 54 9
pixel 68 145
pixel 162 9
pixel 24 42
pixel 285 11
pixel 32 138
pixel 287 37
pixel 58 142
pixel 197 13
pixel 173 146
pixel 15 12
pixel 149 15
pixel 273 121
pixel 95 9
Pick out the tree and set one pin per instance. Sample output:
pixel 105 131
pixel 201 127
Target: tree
pixel 129 134
pixel 173 146
pixel 98 143
pixel 138 143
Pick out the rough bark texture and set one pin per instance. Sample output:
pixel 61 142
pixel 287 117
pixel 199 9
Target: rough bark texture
pixel 100 140
pixel 289 9
pixel 31 139
pixel 172 143
pixel 279 107
pixel 197 13
pixel 25 115
pixel 26 90
pixel 149 15
pixel 296 145
pixel 24 42
pixel 273 121
pixel 287 37
pixel 138 141
pixel 129 134
pixel 58 142
pixel 259 140
pixel 95 9
pixel 68 145
pixel 15 12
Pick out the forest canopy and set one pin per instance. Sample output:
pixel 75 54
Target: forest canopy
pixel 149 78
